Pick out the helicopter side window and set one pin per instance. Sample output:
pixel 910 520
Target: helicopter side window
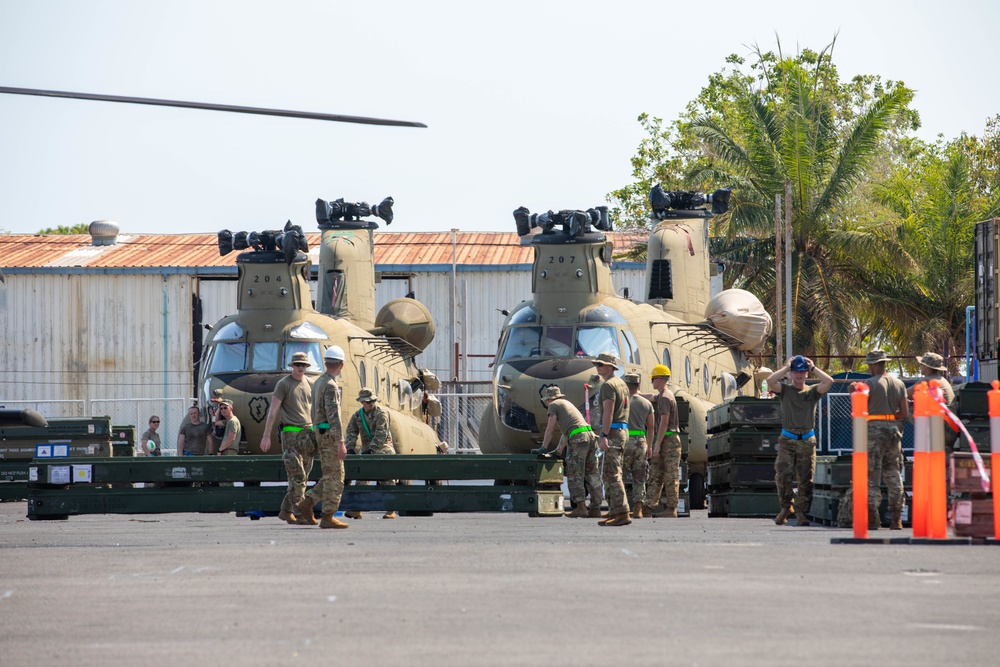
pixel 310 348
pixel 229 357
pixel 265 357
pixel 376 378
pixel 666 357
pixel 362 374
pixel 631 348
pixel 729 387
pixel 558 341
pixel 523 342
pixel 591 341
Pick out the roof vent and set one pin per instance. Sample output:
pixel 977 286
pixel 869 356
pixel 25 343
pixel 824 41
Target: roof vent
pixel 103 232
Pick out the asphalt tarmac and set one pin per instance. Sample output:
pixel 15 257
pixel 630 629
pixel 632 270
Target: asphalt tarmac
pixel 484 589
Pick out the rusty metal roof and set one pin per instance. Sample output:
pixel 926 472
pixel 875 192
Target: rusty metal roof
pixel 201 250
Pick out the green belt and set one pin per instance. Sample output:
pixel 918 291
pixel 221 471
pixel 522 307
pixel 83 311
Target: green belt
pixel 636 433
pixel 578 429
pixel 671 433
pixel 295 429
pixel 325 425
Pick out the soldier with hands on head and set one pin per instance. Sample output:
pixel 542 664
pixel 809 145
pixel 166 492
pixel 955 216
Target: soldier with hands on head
pixel 291 408
pixel 581 450
pixel 329 442
pixel 795 464
pixel 888 410
pixel 640 424
pixel 371 424
pixel 665 453
pixel 613 437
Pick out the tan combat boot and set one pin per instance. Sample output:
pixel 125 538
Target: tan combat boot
pixel 897 520
pixel 329 521
pixel 639 511
pixel 352 514
pixel 874 521
pixel 783 516
pixel 666 513
pixel 622 519
pixel 287 517
pixel 801 520
pixel 579 511
pixel 608 518
pixel 391 514
pixel 594 513
pixel 304 508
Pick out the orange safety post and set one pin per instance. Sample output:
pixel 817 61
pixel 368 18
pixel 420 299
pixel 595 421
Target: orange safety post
pixel 993 397
pixel 859 459
pixel 921 456
pixel 937 507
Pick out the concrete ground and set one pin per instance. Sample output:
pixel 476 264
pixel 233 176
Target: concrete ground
pixel 484 589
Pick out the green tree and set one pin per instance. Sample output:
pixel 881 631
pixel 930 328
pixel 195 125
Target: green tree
pixel 79 228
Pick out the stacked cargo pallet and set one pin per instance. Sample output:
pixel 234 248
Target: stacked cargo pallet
pixel 62 438
pixel 741 451
pixel 970 508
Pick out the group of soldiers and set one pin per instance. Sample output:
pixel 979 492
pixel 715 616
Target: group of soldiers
pixel 308 417
pixel 888 410
pixel 625 430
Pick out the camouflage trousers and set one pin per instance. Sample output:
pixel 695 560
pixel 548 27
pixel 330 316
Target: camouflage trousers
pixel 795 465
pixel 383 450
pixel 582 469
pixel 297 452
pixel 614 485
pixel 330 488
pixel 885 461
pixel 634 463
pixel 665 474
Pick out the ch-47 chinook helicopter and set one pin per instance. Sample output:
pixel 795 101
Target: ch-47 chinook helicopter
pixel 247 353
pixel 574 315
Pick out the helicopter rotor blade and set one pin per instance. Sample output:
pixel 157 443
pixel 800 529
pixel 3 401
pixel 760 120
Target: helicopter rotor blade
pixel 339 118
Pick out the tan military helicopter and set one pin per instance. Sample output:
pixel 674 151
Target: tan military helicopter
pixel 247 353
pixel 574 315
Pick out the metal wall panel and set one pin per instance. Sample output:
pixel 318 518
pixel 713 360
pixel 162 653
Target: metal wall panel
pixel 84 337
pixel 218 298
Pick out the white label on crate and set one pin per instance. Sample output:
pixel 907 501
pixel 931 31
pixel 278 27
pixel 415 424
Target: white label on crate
pixel 963 512
pixel 681 506
pixel 83 473
pixel 58 475
pixel 60 451
pixel 179 473
pixel 33 474
pixel 90 428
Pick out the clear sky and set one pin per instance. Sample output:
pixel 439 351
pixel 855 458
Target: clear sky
pixel 528 103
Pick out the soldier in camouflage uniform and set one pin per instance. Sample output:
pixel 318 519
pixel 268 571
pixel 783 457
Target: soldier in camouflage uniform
pixel 371 424
pixel 592 411
pixel 796 460
pixel 887 411
pixel 665 457
pixel 292 400
pixel 640 423
pixel 329 442
pixel 581 445
pixel 613 437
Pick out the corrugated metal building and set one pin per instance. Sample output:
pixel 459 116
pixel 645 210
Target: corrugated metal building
pixel 85 322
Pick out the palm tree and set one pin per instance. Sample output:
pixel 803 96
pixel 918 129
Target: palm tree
pixel 799 126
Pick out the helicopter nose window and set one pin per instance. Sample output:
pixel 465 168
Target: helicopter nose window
pixel 228 357
pixel 231 331
pixel 265 357
pixel 591 341
pixel 311 349
pixel 523 342
pixel 307 330
pixel 558 341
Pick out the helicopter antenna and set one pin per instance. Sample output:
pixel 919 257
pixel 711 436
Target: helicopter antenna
pixel 338 118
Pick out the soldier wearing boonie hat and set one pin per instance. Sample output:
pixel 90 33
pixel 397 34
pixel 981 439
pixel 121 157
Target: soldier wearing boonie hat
pixel 613 437
pixel 581 449
pixel 932 367
pixel 887 411
pixel 371 424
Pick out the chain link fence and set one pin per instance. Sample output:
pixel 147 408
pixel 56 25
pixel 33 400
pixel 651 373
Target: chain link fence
pixel 834 426
pixel 462 407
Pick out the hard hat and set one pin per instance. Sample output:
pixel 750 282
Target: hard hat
pixel 659 371
pixel 334 353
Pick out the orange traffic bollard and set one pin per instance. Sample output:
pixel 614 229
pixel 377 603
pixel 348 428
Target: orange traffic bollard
pixel 859 459
pixel 993 397
pixel 937 506
pixel 921 456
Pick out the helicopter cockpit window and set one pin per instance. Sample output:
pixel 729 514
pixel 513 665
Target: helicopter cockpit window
pixel 523 342
pixel 229 357
pixel 312 349
pixel 307 330
pixel 526 315
pixel 558 341
pixel 591 341
pixel 603 314
pixel 231 331
pixel 632 346
pixel 265 357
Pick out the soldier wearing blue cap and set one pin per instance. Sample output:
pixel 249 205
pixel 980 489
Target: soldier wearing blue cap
pixel 796 461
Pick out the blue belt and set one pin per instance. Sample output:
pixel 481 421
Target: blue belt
pixel 796 436
pixel 621 426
